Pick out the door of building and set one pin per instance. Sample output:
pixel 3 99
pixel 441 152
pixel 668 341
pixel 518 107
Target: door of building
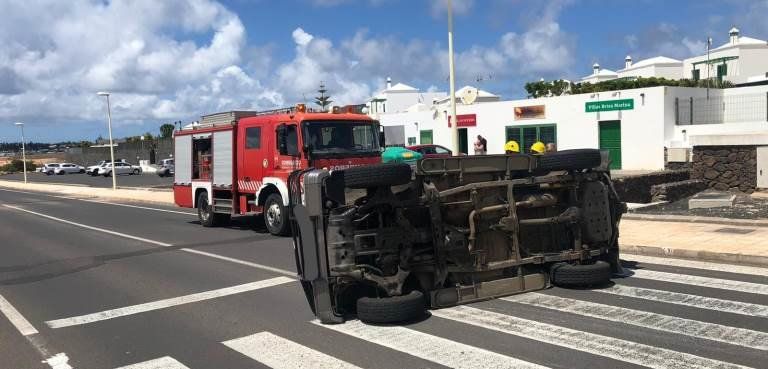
pixel 463 142
pixel 762 167
pixel 425 137
pixel 610 140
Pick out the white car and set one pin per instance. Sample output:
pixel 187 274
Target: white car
pixel 50 168
pixel 94 169
pixel 68 168
pixel 119 168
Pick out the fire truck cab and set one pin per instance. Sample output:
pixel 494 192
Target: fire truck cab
pixel 238 162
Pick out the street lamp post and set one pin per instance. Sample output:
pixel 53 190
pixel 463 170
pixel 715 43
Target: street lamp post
pixel 452 78
pixel 23 150
pixel 111 143
pixel 709 46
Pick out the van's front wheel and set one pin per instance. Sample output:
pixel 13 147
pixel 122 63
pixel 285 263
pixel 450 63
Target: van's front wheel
pixel 276 215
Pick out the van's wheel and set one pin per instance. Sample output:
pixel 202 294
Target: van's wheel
pixel 570 160
pixel 136 172
pixel 581 275
pixel 377 175
pixel 276 215
pixel 393 309
pixel 205 213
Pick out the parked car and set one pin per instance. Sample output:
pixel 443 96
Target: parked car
pixel 167 168
pixel 50 168
pixel 119 168
pixel 68 168
pixel 94 169
pixel 431 151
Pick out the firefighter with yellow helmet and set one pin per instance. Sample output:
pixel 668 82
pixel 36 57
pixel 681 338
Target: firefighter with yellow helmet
pixel 511 147
pixel 538 148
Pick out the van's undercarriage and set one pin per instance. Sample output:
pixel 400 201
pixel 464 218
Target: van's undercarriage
pixel 457 230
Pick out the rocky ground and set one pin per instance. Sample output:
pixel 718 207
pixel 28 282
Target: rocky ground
pixel 745 207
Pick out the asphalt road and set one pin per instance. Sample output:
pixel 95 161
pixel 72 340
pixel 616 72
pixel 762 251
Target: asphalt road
pixel 97 285
pixel 146 180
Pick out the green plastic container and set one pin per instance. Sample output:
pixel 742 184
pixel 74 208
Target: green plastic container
pixel 396 154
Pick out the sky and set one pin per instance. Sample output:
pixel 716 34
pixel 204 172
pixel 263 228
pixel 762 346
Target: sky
pixel 172 60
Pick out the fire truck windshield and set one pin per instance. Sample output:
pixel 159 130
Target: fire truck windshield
pixel 338 138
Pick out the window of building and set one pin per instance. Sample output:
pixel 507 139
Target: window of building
pixel 253 138
pixel 425 137
pixel 528 134
pixel 722 70
pixel 695 74
pixel 411 140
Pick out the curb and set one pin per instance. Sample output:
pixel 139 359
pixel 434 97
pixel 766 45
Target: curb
pixel 700 255
pixel 697 219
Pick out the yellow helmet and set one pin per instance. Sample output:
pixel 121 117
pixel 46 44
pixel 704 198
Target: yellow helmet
pixel 511 146
pixel 538 147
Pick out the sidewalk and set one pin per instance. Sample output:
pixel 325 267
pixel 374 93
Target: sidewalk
pixel 123 194
pixel 740 242
pixel 704 241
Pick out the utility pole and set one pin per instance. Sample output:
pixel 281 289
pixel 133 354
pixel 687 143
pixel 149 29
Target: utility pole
pixel 709 46
pixel 23 150
pixel 452 78
pixel 111 143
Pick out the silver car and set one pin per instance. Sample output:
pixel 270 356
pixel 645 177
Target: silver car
pixel 119 168
pixel 50 168
pixel 68 168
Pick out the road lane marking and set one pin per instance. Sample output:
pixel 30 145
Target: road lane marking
pixel 701 302
pixel 14 316
pixel 102 202
pixel 166 303
pixel 688 327
pixel 595 344
pixel 428 347
pixel 165 362
pixel 694 264
pixel 158 243
pixel 279 353
pixel 725 284
pixel 58 361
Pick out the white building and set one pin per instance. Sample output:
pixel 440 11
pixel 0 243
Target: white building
pixel 399 98
pixel 738 60
pixel 659 67
pixel 478 96
pixel 634 125
pixel 599 75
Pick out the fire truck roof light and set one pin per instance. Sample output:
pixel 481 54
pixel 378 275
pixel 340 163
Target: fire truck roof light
pixel 301 108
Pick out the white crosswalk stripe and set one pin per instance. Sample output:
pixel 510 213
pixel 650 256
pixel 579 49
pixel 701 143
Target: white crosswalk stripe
pixel 701 302
pixel 693 280
pixel 279 353
pixel 695 264
pixel 660 322
pixel 428 347
pixel 165 362
pixel 614 348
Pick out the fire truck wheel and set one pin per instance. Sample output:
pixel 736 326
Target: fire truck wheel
pixel 276 215
pixel 377 175
pixel 205 213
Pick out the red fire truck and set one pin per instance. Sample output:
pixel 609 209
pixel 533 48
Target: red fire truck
pixel 238 162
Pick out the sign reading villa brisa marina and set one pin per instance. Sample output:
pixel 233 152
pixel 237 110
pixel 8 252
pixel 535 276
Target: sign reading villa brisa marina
pixel 609 105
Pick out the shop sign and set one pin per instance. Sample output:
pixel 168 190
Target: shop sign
pixel 465 120
pixel 609 105
pixel 529 112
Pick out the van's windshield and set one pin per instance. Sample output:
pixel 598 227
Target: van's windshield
pixel 340 138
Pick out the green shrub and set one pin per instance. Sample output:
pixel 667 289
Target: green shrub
pixel 17 165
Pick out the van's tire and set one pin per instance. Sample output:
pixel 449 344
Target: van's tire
pixel 276 215
pixel 391 309
pixel 377 175
pixel 137 171
pixel 570 160
pixel 205 213
pixel 581 275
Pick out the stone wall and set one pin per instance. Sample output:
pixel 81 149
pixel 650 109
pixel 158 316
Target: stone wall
pixel 637 188
pixel 726 167
pixel 674 191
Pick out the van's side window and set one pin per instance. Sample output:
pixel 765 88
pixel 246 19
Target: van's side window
pixel 253 138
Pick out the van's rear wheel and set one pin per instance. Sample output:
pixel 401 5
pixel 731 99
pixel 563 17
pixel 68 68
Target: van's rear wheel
pixel 276 215
pixel 393 309
pixel 581 275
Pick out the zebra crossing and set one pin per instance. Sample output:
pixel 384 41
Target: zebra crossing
pixel 449 337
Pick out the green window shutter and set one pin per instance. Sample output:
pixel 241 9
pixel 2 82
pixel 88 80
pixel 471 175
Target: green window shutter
pixel 547 134
pixel 696 74
pixel 425 137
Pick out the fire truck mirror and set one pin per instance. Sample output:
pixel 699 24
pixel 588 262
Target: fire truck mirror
pixel 282 139
pixel 382 140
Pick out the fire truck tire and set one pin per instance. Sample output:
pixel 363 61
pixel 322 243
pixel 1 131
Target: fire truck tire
pixel 570 160
pixel 378 175
pixel 395 309
pixel 205 213
pixel 581 275
pixel 276 215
